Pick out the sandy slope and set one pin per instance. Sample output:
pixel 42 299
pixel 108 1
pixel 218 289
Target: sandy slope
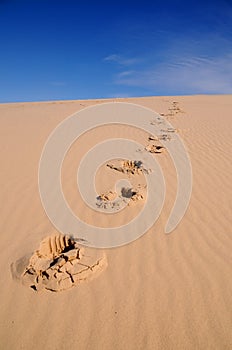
pixel 159 292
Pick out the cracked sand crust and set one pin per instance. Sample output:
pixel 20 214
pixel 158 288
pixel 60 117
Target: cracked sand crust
pixel 58 264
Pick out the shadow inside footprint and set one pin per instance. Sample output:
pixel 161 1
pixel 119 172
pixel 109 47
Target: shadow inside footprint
pixel 128 192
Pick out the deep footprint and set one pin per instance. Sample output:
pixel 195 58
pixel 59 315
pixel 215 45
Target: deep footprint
pixel 58 265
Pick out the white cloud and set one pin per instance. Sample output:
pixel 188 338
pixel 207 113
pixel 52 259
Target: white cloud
pixel 184 75
pixel 189 64
pixel 121 60
pixel 125 73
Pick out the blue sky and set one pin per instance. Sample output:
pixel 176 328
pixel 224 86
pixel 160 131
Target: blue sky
pixel 57 50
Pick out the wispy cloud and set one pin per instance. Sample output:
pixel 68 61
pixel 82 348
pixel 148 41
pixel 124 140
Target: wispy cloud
pixel 126 73
pixel 188 63
pixel 119 59
pixel 185 74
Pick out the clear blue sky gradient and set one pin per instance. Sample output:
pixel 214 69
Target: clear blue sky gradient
pixel 57 50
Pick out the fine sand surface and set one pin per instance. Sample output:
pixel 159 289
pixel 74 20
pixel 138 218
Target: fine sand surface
pixel 167 292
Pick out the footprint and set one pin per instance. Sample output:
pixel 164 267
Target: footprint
pixel 154 148
pixel 134 194
pixel 108 200
pixel 59 264
pixel 130 167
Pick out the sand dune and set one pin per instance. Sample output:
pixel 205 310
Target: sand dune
pixel 159 292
